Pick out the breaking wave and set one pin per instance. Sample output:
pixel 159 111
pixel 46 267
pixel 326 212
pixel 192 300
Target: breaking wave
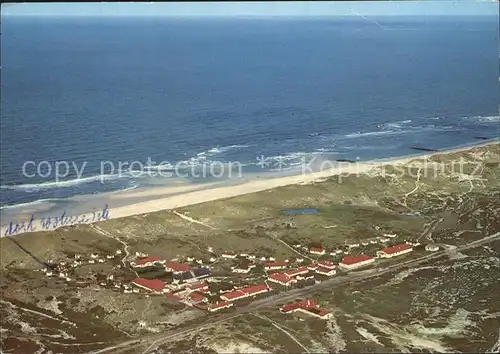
pixel 395 125
pixel 221 149
pixel 375 133
pixel 59 184
pixel 484 119
pixel 399 129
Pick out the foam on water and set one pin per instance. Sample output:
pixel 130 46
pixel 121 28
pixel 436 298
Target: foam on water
pixel 399 129
pixel 221 149
pixel 374 133
pixel 60 184
pixel 483 119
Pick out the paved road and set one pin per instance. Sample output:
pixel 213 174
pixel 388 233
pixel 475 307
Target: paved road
pixel 351 278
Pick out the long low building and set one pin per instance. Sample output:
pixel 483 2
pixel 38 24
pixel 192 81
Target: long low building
pixel 176 267
pixel 295 272
pixel 154 285
pixel 275 265
pixel 327 264
pixel 309 307
pixel 354 262
pixel 394 251
pixel 219 306
pixel 326 271
pixel 245 292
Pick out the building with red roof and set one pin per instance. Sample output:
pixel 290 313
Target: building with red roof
pixel 318 312
pixel 296 305
pixel 295 272
pixel 353 262
pixel 309 307
pixel 275 265
pixel 176 267
pixel 326 271
pixel 201 287
pixel 312 266
pixel 282 279
pixel 327 264
pixel 317 250
pixel 255 290
pixel 197 298
pixel 233 295
pixel 394 251
pixel 146 262
pixel 154 285
pixel 245 292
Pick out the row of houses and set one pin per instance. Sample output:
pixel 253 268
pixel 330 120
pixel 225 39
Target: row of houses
pixel 320 251
pixel 269 265
pixel 347 263
pixel 170 266
pixel 63 268
pixel 290 277
pixel 232 255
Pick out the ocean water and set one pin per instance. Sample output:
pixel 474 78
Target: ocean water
pixel 264 95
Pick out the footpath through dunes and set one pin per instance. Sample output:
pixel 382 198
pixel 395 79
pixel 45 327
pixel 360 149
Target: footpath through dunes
pixel 448 210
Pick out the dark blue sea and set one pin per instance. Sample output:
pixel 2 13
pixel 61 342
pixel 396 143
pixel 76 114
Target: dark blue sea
pixel 266 93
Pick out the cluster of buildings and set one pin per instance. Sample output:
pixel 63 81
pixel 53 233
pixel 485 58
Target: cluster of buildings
pixel 292 276
pixel 320 251
pixel 190 286
pixel 182 273
pixel 63 269
pixel 354 262
pixel 198 294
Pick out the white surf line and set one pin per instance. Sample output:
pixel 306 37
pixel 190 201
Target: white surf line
pixel 283 330
pixel 185 217
pixel 65 320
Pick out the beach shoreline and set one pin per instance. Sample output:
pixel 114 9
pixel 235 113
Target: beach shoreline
pixel 172 197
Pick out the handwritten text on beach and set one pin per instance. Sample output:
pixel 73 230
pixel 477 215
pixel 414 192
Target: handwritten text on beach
pixel 53 222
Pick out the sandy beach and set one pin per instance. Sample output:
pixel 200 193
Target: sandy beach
pixel 180 196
